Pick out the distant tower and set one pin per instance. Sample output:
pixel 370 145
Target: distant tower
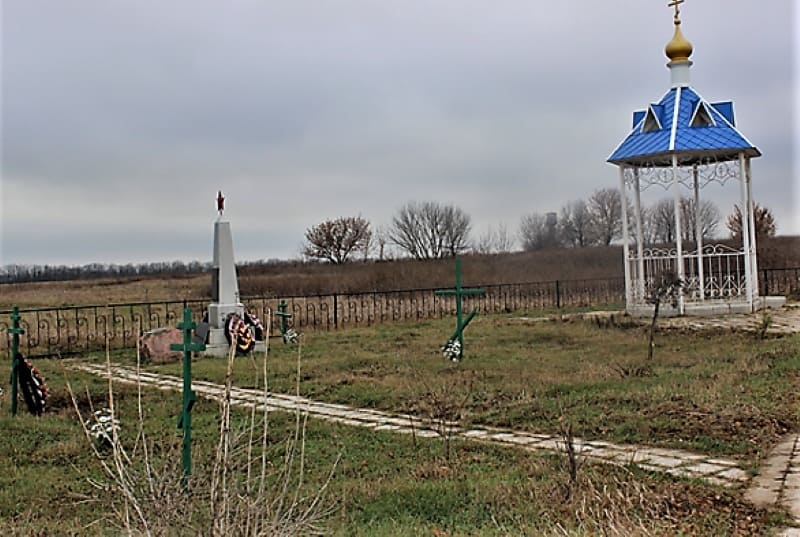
pixel 683 143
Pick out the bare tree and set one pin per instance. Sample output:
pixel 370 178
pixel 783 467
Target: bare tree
pixel 573 226
pixel 503 239
pixel 762 217
pixel 605 210
pixel 661 222
pixel 709 219
pixel 538 231
pixel 381 235
pixel 335 240
pixel 430 230
pixel 495 240
pixel 485 242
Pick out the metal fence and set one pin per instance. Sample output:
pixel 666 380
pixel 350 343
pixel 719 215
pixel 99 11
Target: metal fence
pixel 780 282
pixel 77 329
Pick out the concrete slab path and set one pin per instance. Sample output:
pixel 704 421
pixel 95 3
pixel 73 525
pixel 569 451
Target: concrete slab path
pixel 718 471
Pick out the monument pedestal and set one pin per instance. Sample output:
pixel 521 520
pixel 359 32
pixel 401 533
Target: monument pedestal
pixel 218 346
pixel 218 313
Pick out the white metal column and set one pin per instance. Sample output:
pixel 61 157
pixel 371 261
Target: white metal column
pixel 698 230
pixel 753 245
pixel 637 206
pixel 678 239
pixel 625 248
pixel 745 213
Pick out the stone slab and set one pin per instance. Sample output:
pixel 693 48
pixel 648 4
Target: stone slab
pixel 653 459
pixel 705 468
pixel 666 462
pixel 734 474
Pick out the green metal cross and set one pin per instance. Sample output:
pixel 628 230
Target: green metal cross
pixel 284 318
pixel 459 292
pixel 189 396
pixel 15 332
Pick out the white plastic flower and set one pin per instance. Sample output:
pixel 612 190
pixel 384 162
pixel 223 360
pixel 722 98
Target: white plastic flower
pixel 290 336
pixel 452 350
pixel 102 426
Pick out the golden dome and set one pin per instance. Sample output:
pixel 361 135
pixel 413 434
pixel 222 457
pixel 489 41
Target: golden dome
pixel 679 49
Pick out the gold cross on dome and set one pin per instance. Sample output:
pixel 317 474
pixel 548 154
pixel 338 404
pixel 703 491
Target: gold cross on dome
pixel 677 5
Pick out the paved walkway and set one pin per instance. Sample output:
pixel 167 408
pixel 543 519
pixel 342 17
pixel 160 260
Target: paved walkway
pixel 783 321
pixel 778 481
pixel 675 462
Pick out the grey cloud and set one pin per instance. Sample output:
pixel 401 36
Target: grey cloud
pixel 304 110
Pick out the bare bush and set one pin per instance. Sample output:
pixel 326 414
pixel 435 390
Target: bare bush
pixel 240 493
pixel 665 287
pixel 336 240
pixel 571 461
pixel 443 407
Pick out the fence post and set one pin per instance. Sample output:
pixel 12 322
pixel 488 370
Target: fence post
pixel 558 294
pixel 765 273
pixel 335 310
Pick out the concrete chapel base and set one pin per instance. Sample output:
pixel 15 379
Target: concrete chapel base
pixel 710 308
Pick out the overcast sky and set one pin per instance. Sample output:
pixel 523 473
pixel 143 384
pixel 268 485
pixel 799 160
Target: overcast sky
pixel 121 119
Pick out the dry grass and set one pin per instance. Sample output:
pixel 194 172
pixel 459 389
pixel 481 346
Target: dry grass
pixel 310 278
pixel 103 291
pixel 239 493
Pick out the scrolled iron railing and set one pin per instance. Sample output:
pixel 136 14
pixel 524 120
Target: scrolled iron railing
pixel 75 329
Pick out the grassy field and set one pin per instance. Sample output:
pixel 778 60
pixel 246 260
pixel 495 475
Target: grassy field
pixel 725 393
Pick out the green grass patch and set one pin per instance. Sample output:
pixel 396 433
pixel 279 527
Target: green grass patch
pixel 726 393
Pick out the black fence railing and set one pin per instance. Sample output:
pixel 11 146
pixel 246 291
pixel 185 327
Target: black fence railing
pixel 780 282
pixel 76 329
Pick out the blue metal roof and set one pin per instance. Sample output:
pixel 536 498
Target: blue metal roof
pixel 719 138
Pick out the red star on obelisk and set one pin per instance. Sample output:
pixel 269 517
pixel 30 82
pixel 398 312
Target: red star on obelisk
pixel 220 202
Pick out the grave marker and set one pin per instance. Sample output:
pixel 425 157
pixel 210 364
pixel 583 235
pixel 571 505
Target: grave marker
pixel 454 348
pixel 189 396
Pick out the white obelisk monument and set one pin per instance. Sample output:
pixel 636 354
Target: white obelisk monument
pixel 224 285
